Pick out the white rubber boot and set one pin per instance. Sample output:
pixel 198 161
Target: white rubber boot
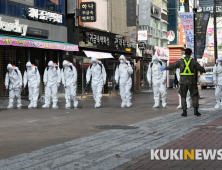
pixel 45 106
pixel 19 103
pixel 128 104
pixel 10 106
pixel 54 106
pixel 30 105
pixel 75 104
pixel 123 104
pixel 217 106
pixel 180 106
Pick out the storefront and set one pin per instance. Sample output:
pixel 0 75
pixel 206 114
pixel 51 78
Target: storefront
pixel 32 33
pixel 105 46
pixel 175 53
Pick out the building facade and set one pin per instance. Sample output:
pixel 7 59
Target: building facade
pixel 33 31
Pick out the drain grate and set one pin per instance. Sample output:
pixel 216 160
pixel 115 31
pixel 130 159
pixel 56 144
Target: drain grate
pixel 115 127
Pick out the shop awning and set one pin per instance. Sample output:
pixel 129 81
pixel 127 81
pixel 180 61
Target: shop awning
pixel 98 55
pixel 25 42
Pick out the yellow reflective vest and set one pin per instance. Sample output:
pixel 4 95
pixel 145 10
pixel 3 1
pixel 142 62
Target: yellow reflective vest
pixel 187 68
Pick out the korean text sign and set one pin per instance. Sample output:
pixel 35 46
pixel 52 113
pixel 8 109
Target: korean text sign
pixel 88 11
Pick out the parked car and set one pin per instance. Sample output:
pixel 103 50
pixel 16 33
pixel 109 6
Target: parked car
pixel 206 79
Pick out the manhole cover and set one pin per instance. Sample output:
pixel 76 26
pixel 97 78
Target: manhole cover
pixel 115 127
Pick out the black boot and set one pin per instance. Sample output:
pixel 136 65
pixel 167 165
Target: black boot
pixel 184 114
pixel 196 111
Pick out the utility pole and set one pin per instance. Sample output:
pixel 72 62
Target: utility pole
pixel 194 33
pixel 215 32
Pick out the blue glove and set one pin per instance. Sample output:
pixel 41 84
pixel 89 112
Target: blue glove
pixel 163 68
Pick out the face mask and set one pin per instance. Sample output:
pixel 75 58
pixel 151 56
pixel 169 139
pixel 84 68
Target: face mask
pixel 65 66
pixel 28 67
pixel 51 67
pixel 121 61
pixel 155 62
pixel 94 63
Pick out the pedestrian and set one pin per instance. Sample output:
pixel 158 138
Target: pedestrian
pixel 123 78
pixel 13 83
pixel 157 79
pixel 51 79
pixel 98 73
pixel 217 78
pixel 187 66
pixel 32 77
pixel 69 79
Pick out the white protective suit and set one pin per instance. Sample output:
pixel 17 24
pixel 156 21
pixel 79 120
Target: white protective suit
pixel 13 82
pixel 188 92
pixel 217 78
pixel 32 77
pixel 69 79
pixel 124 72
pixel 51 79
pixel 98 73
pixel 157 79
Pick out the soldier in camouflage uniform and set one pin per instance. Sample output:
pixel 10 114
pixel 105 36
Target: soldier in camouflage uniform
pixel 187 81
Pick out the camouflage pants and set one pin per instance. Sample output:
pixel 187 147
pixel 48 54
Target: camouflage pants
pixel 194 94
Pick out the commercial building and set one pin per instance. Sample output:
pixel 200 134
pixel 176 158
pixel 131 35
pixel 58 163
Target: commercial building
pixel 152 34
pixel 105 38
pixel 33 31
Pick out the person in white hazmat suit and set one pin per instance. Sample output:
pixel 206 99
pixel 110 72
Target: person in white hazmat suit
pixel 217 78
pixel 13 82
pixel 51 79
pixel 188 92
pixel 157 79
pixel 32 77
pixel 123 78
pixel 69 79
pixel 98 73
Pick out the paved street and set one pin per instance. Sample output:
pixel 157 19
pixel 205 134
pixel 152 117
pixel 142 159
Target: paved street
pixel 67 138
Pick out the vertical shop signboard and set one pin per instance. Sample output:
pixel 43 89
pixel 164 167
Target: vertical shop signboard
pixel 202 19
pixel 182 35
pixel 187 22
pixel 88 11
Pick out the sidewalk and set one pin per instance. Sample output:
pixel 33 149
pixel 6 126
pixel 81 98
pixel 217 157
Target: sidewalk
pixel 97 151
pixel 207 136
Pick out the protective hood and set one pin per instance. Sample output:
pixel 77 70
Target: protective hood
pixel 9 66
pixel 93 59
pixel 70 64
pixel 28 64
pixel 155 58
pixel 220 58
pixel 122 57
pixel 65 62
pixel 50 64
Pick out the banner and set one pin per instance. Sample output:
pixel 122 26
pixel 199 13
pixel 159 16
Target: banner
pixel 201 21
pixel 21 42
pixel 144 12
pixel 131 12
pixel 182 36
pixel 211 37
pixel 187 22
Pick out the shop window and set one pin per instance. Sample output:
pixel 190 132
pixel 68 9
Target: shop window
pixel 2 7
pixel 40 3
pixel 14 9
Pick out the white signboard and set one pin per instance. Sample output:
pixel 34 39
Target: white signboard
pixel 142 35
pixel 14 27
pixel 44 15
